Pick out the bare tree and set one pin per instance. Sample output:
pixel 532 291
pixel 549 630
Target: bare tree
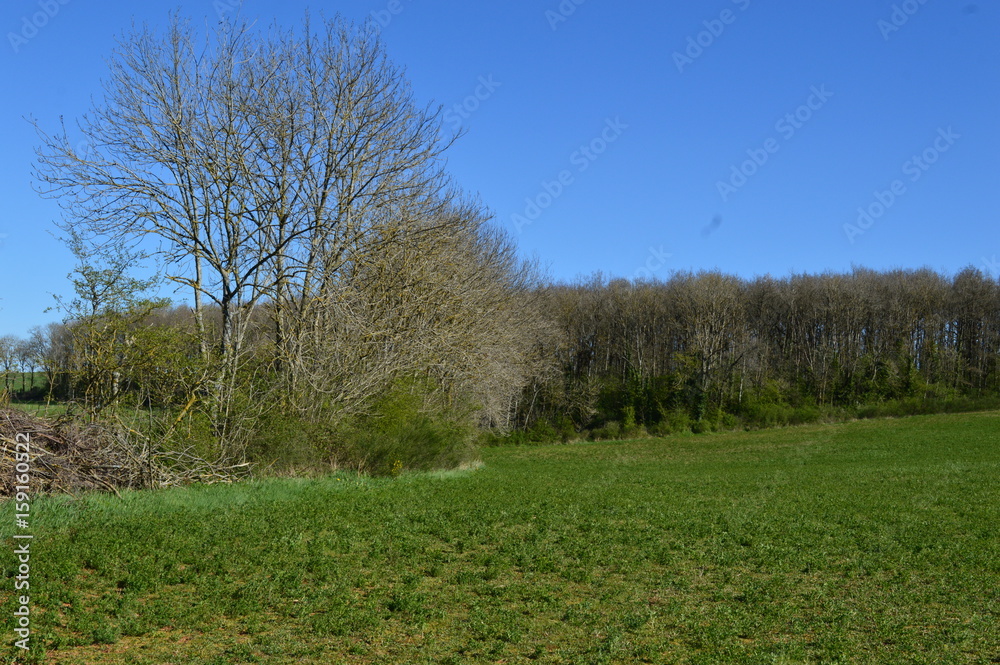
pixel 454 307
pixel 256 167
pixel 8 358
pixel 26 363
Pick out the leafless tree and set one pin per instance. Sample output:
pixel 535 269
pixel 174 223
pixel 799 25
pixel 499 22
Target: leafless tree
pixel 8 358
pixel 256 167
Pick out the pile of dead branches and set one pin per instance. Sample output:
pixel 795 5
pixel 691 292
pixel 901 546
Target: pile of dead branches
pixel 66 455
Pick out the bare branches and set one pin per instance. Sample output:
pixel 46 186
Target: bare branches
pixel 256 161
pixel 67 457
pixel 292 174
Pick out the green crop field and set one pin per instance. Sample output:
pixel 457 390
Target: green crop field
pixel 866 542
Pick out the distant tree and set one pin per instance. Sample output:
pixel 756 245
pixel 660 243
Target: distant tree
pixel 24 361
pixel 102 320
pixel 33 350
pixel 8 358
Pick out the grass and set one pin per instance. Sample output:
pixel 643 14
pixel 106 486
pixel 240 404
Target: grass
pixel 865 542
pixel 21 381
pixel 17 382
pixel 41 409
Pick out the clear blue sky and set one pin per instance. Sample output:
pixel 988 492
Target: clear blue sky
pixel 663 130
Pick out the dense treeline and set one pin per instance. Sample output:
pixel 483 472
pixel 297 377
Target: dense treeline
pixel 709 349
pixel 697 351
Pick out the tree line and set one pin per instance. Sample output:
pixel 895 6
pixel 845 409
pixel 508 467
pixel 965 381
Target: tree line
pixel 711 348
pixel 698 348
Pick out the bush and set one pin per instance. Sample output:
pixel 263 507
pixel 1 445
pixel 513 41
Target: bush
pixel 542 432
pixel 914 406
pixel 288 443
pixel 628 418
pixel 611 430
pixel 803 415
pixel 672 422
pixel 728 421
pixel 567 430
pixel 635 432
pixel 763 415
pixel 403 434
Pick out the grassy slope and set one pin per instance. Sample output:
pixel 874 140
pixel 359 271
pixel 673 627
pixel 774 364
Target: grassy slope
pixel 871 541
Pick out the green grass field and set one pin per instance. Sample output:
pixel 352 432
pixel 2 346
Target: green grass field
pixel 866 542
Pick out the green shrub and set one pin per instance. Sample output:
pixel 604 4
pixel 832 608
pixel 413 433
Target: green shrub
pixel 609 431
pixel 287 443
pixel 542 432
pixel 628 418
pixel 803 415
pixel 914 406
pixel 635 432
pixel 567 430
pixel 672 422
pixel 701 426
pixel 404 432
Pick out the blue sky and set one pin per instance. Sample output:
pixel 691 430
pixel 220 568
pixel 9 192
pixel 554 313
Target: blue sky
pixel 633 138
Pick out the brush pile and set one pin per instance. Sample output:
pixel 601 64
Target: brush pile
pixel 69 456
